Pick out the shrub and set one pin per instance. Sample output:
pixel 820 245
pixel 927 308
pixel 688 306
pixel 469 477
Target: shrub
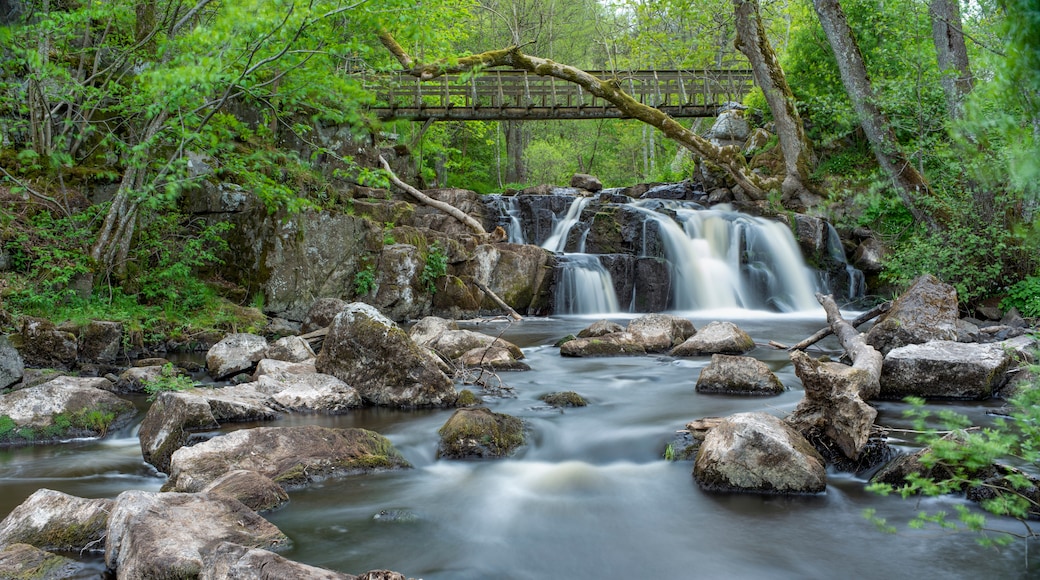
pixel 169 379
pixel 1025 296
pixel 436 267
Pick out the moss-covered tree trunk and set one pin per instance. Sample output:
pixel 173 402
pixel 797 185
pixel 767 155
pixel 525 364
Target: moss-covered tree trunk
pixel 951 53
pixel 795 146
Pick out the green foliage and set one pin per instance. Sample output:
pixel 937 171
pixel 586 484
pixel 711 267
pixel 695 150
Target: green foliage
pixel 388 236
pixel 169 380
pixel 49 251
pixel 365 280
pixel 1025 296
pixel 7 427
pixel 436 267
pixel 961 457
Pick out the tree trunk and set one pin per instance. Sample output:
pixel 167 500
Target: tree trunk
pixel 795 146
pixel 951 53
pixel 449 209
pixel 728 158
pixel 514 152
pixel 910 184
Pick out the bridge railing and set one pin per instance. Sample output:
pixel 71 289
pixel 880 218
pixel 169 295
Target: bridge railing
pixel 512 94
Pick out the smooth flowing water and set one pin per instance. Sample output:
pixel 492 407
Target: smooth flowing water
pixel 589 496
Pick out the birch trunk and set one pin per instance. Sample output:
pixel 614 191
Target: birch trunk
pixel 951 53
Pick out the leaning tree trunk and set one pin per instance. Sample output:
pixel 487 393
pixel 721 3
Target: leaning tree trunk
pixel 910 184
pixel 951 53
pixel 447 208
pixel 795 146
pixel 729 159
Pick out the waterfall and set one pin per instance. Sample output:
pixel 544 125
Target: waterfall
pixel 856 281
pixel 508 208
pixel 557 240
pixel 584 286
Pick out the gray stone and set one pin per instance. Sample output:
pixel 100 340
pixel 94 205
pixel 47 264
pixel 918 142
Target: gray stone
pixel 495 357
pixel 281 370
pixel 660 332
pixel 168 535
pixel 52 520
pixel 372 354
pixel 758 453
pixel 292 457
pixel 290 349
pixel 168 426
pixel 521 275
pixel 716 338
pixel 43 345
pixel 321 313
pixel 398 292
pixel 258 492
pixel 944 369
pixel 311 393
pixel 926 311
pixel 586 182
pixel 101 341
pixel 738 375
pixel 869 256
pixel 730 128
pixel 452 344
pixel 600 328
pixel 479 433
pixel 134 379
pixel 230 561
pixel 24 561
pixel 12 368
pixel 234 354
pixel 430 328
pixel 62 408
pixel 616 344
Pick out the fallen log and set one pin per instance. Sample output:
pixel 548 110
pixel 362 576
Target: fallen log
pixel 825 332
pixel 835 394
pixel 427 200
pixel 501 303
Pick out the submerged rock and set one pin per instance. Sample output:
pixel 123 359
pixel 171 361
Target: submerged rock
pixel 564 399
pixel 371 353
pixel 756 452
pixel 479 433
pixel 291 456
pixel 169 535
pixel 52 520
pixel 716 338
pixel 738 375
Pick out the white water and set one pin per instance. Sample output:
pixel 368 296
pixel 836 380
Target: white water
pixel 584 286
pixel 509 208
pixel 557 240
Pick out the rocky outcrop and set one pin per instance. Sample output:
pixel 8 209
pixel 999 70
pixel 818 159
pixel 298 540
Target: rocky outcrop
pixel 236 353
pixel 19 561
pixel 12 367
pixel 101 341
pixel 369 352
pixel 716 338
pixel 738 375
pixel 758 453
pixel 290 456
pixel 944 369
pixel 926 311
pixel 168 426
pixel 52 520
pixel 60 409
pixel 169 535
pixel 257 492
pixel 479 433
pixel 41 344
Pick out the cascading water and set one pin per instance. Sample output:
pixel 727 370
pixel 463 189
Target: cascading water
pixel 557 240
pixel 857 283
pixel 509 214
pixel 584 286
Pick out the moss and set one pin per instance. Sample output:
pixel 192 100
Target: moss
pixel 565 399
pixel 564 340
pixel 467 399
pixel 480 433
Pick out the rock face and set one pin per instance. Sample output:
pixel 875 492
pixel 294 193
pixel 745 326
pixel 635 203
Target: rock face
pixel 62 408
pixel 257 492
pixel 101 341
pixel 168 426
pixel 230 561
pixel 234 354
pixel 24 561
pixel 944 369
pixel 52 520
pixel 758 453
pixel 738 375
pixel 716 338
pixel 478 433
pixel 168 535
pixel 369 352
pixel 290 456
pixel 42 345
pixel 927 311
pixel 12 368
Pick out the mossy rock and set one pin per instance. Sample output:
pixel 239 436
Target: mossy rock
pixel 565 399
pixel 479 433
pixel 468 399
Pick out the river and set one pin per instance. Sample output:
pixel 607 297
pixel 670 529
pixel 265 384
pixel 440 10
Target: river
pixel 589 496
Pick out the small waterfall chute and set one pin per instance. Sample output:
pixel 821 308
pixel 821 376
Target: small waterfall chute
pixel 557 240
pixel 584 286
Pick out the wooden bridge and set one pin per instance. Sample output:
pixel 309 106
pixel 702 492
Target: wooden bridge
pixel 518 95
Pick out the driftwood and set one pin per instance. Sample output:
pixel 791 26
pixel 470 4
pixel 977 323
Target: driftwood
pixel 825 332
pixel 501 303
pixel 835 394
pixel 447 208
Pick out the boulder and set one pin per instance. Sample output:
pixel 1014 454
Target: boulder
pixel 52 520
pixel 43 345
pixel 321 313
pixel 12 368
pixel 234 354
pixel 869 256
pixel 716 338
pixel 944 369
pixel 600 328
pixel 369 352
pixel 520 274
pixel 290 349
pixel 586 182
pixel 738 375
pixel 311 393
pixel 495 357
pixel 730 128
pixel 479 433
pixel 60 409
pixel 660 332
pixel 399 292
pixel 169 424
pixel 258 492
pixel 101 341
pixel 617 344
pixel 239 403
pixel 168 535
pixel 19 561
pixel 430 328
pixel 230 561
pixel 452 344
pixel 291 456
pixel 927 311
pixel 564 399
pixel 134 379
pixel 281 370
pixel 758 453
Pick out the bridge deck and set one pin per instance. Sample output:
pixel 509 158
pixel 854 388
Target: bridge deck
pixel 519 95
